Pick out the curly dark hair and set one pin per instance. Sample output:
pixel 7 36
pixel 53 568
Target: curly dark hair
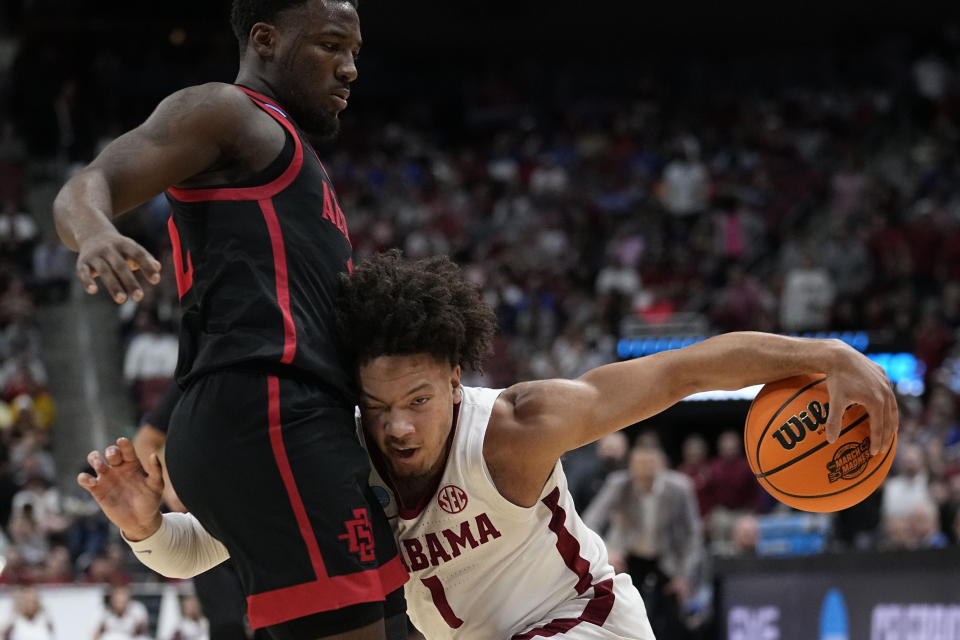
pixel 246 13
pixel 393 306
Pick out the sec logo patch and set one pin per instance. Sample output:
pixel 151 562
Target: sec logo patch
pixel 452 499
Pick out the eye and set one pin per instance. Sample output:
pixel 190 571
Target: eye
pixel 422 400
pixel 332 47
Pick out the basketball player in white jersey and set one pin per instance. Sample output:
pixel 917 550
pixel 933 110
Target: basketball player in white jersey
pixel 471 477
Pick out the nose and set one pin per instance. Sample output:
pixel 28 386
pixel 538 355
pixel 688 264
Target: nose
pixel 398 426
pixel 347 69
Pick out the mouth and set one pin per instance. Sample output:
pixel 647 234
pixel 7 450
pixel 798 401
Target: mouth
pixel 403 453
pixel 340 97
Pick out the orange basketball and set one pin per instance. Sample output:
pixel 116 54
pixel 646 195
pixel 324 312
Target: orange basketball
pixel 788 451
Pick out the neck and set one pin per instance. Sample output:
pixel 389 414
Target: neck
pixel 255 81
pixel 410 491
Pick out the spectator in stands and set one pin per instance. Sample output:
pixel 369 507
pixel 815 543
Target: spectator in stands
pixel 53 272
pixel 587 468
pixel 29 620
pixel 651 524
pixel 896 533
pixel 150 360
pixel 808 293
pixel 28 457
pixel 29 539
pixel 89 529
pixel 746 535
pixel 17 571
pixel 15 297
pixel 37 506
pixel 742 303
pixel 58 569
pixel 733 489
pixel 925 530
pixel 906 488
pixel 123 618
pixel 686 187
pixel 18 234
pixel 104 569
pixel 846 257
pixel 192 624
pixel 939 419
pixel 859 526
pixel 693 463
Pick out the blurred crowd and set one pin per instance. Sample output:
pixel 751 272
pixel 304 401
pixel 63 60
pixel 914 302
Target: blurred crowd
pixel 47 535
pixel 641 207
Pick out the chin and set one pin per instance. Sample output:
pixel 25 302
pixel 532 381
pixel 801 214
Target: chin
pixel 322 127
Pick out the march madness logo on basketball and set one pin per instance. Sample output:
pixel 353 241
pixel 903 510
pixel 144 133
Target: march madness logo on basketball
pixel 849 461
pixel 452 499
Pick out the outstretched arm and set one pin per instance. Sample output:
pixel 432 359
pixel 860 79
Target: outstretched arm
pixel 184 136
pixel 547 418
pixel 175 544
pixel 128 493
pixel 180 548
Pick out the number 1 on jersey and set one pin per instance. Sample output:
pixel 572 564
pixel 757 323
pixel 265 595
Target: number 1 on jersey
pixel 440 601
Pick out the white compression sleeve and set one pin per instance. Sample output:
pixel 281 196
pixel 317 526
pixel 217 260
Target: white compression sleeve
pixel 180 548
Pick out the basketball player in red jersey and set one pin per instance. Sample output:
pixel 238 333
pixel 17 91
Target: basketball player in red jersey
pixel 259 242
pixel 471 476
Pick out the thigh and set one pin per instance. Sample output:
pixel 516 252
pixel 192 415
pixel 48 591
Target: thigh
pixel 272 468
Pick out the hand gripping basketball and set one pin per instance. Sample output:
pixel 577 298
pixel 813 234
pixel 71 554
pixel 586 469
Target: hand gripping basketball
pixel 792 457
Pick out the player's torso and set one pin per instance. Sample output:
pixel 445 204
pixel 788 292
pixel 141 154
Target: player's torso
pixel 258 265
pixel 482 567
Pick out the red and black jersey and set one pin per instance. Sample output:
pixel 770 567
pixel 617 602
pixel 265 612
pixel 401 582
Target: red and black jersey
pixel 258 266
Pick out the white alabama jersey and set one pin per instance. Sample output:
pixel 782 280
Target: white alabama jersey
pixel 484 568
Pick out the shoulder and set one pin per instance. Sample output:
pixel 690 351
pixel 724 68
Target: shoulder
pixel 206 109
pixel 210 94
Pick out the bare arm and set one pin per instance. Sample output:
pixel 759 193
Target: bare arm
pixel 174 544
pixel 186 134
pixel 536 422
pixel 128 493
pixel 147 441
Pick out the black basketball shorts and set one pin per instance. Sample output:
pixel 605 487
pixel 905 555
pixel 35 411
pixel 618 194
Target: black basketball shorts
pixel 272 467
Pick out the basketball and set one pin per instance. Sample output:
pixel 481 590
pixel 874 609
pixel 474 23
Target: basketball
pixel 788 451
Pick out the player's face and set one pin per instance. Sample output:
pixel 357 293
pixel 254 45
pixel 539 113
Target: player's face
pixel 406 404
pixel 319 41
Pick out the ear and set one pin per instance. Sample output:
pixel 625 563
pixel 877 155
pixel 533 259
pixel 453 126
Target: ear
pixel 263 40
pixel 455 384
